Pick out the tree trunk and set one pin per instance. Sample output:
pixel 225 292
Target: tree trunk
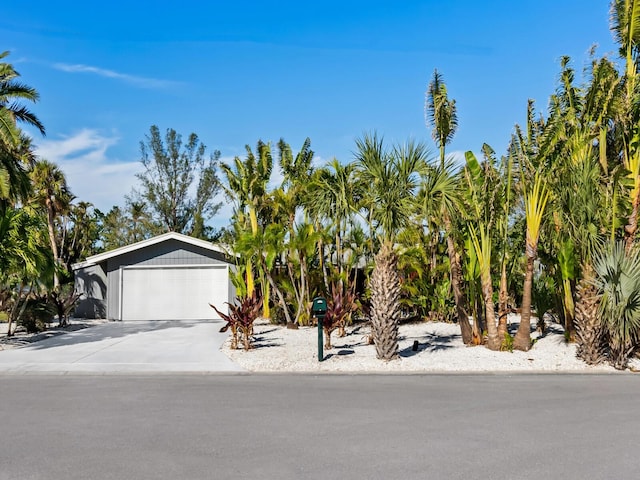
pixel 275 288
pixel 456 281
pixel 522 340
pixel 569 310
pixel 631 228
pixel 433 246
pixel 52 241
pixel 502 302
pixel 493 341
pixel 323 265
pixel 296 290
pixel 385 306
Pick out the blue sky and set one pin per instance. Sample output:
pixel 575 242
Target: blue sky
pixel 236 72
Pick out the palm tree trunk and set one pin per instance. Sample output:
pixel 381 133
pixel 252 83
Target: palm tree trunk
pixel 456 285
pixel 52 241
pixel 323 266
pixel 522 340
pixel 461 304
pixel 278 292
pixel 502 302
pixel 493 341
pixel 385 308
pixel 631 227
pixel 433 245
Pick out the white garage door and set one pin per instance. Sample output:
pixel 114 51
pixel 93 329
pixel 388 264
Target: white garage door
pixel 173 293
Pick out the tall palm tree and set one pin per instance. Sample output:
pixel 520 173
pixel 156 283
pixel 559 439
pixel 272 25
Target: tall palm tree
pixel 15 147
pixel 535 201
pixel 50 190
pixel 440 113
pixel 247 185
pixel 393 179
pixel 440 199
pixel 625 26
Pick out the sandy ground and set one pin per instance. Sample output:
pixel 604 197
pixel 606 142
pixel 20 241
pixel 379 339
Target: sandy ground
pixel 440 349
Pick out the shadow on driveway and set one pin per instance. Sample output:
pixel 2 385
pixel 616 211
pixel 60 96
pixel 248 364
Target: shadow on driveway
pixel 112 330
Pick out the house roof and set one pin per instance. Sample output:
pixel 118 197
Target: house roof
pixel 101 257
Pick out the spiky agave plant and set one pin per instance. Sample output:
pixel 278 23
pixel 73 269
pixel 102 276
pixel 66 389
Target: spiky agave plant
pixel 618 282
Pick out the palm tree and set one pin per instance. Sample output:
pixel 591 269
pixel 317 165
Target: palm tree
pixel 393 179
pixel 535 201
pixel 625 26
pixel 23 258
pixel 15 147
pixel 440 113
pixel 333 195
pixel 50 191
pixel 11 110
pixel 440 198
pixel 247 184
pixel 617 280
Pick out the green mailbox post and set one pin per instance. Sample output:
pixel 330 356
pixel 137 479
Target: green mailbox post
pixel 319 310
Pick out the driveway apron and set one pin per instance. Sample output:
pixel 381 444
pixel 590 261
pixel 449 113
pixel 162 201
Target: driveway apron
pixel 126 347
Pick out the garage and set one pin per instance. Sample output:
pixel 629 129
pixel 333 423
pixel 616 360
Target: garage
pixel 173 293
pixel 168 277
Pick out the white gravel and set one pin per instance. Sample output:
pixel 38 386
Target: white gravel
pixel 278 349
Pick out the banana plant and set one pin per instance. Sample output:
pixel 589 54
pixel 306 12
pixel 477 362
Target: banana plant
pixel 482 246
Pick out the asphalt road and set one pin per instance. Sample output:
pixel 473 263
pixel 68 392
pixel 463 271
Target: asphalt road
pixel 319 427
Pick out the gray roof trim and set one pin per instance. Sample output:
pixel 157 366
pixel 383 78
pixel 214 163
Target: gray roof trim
pixel 101 257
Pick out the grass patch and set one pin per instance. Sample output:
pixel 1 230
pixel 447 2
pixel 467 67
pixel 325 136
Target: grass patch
pixel 3 317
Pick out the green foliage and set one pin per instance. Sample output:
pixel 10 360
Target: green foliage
pixel 37 314
pixel 507 343
pixel 543 294
pixel 241 317
pixel 440 113
pixel 340 306
pixel 171 168
pixel 618 283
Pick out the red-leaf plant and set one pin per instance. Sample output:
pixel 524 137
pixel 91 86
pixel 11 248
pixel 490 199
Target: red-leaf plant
pixel 339 308
pixel 241 318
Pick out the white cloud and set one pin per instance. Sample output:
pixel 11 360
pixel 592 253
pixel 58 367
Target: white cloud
pixel 142 82
pixel 92 174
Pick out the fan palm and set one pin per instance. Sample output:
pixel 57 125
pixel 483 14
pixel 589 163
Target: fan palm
pixel 617 280
pixel 393 178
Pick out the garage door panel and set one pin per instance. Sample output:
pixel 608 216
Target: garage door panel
pixel 173 293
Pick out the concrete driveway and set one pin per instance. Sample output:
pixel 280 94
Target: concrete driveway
pixel 126 347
